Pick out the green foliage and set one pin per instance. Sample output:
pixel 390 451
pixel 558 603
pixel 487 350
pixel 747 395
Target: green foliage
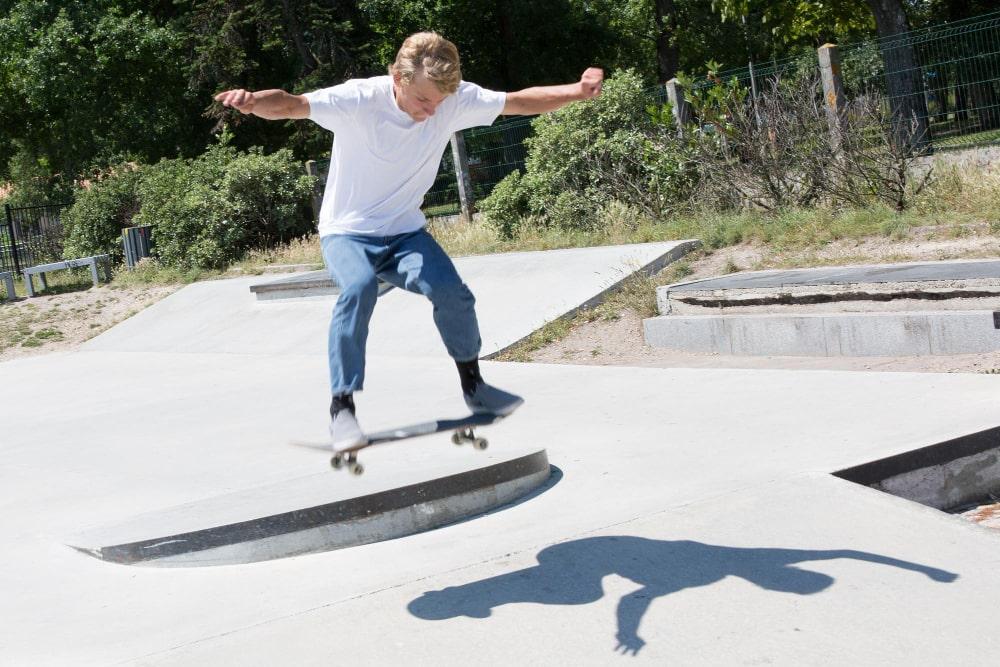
pixel 209 212
pixel 589 155
pixel 507 205
pixel 81 82
pixel 206 212
pixel 804 21
pixel 92 226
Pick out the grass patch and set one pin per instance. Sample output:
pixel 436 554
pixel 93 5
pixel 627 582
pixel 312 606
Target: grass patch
pixel 28 326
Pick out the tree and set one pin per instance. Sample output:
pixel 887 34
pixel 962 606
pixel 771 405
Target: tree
pixel 82 83
pixel 667 54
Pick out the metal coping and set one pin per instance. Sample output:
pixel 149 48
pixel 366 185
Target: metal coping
pixel 321 515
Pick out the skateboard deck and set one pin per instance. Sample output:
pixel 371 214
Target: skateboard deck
pixel 463 432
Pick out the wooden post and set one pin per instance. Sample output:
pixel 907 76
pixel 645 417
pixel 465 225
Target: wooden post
pixel 681 110
pixel 461 160
pixel 833 91
pixel 317 197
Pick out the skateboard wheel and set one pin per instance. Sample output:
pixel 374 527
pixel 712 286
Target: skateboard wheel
pixel 337 462
pixel 357 469
pixel 480 443
pixel 456 438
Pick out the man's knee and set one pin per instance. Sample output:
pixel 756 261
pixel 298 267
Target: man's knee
pixel 361 289
pixel 451 294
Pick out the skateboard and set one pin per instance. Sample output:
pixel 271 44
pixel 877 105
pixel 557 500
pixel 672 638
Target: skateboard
pixel 462 428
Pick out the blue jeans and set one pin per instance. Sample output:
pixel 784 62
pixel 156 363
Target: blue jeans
pixel 414 262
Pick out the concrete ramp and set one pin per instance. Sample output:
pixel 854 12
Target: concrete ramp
pixel 516 294
pixel 219 326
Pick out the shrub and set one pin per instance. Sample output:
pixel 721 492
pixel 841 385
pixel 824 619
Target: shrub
pixel 587 155
pixel 93 224
pixel 205 213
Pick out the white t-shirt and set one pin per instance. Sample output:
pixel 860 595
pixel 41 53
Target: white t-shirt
pixel 383 162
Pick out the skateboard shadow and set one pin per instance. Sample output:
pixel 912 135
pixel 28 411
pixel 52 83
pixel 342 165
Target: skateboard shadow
pixel 571 573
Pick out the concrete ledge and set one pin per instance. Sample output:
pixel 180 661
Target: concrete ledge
pixel 305 285
pixel 953 285
pixel 171 538
pixel 942 476
pixel 829 334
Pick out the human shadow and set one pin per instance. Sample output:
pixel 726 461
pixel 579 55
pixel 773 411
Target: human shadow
pixel 571 573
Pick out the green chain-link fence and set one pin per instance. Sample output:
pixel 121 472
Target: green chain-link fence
pixel 954 71
pixel 945 77
pixel 493 152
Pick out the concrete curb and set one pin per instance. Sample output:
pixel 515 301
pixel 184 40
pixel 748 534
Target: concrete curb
pixel 311 284
pixel 829 334
pixel 344 523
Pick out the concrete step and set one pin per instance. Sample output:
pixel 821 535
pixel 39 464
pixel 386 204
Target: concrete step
pixel 879 310
pixel 829 334
pixel 968 285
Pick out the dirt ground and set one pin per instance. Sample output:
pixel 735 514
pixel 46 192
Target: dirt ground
pixel 62 322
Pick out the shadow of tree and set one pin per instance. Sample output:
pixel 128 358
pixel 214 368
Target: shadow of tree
pixel 571 573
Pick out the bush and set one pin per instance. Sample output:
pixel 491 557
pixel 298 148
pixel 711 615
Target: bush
pixel 507 205
pixel 205 213
pixel 588 155
pixel 93 224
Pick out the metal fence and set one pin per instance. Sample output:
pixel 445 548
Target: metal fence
pixel 30 235
pixel 946 76
pixel 493 151
pixel 955 71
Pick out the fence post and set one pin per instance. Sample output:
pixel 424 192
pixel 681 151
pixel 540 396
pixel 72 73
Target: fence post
pixel 679 106
pixel 312 169
pixel 833 91
pixel 13 239
pixel 461 160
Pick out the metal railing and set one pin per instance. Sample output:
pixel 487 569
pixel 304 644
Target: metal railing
pixel 955 72
pixel 30 235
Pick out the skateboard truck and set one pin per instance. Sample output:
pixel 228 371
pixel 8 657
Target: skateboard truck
pixel 464 435
pixel 459 437
pixel 350 459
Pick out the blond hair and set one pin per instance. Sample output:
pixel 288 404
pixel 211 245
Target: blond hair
pixel 432 54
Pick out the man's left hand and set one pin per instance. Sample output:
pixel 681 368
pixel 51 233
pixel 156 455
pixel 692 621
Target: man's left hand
pixel 591 83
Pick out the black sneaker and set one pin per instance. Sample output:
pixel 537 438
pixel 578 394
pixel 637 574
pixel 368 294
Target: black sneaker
pixel 487 399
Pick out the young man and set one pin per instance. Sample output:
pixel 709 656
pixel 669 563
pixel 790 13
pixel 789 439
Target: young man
pixel 389 135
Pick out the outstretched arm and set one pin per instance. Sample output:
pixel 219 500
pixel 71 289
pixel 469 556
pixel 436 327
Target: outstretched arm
pixel 269 104
pixel 541 99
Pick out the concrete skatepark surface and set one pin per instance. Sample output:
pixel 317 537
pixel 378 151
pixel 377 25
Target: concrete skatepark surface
pixel 694 518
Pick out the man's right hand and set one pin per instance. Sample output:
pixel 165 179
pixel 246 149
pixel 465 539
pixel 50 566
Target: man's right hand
pixel 241 100
pixel 270 104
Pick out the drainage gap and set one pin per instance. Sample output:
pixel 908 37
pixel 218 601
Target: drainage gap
pixel 960 476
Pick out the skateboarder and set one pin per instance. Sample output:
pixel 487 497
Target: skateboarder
pixel 389 135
